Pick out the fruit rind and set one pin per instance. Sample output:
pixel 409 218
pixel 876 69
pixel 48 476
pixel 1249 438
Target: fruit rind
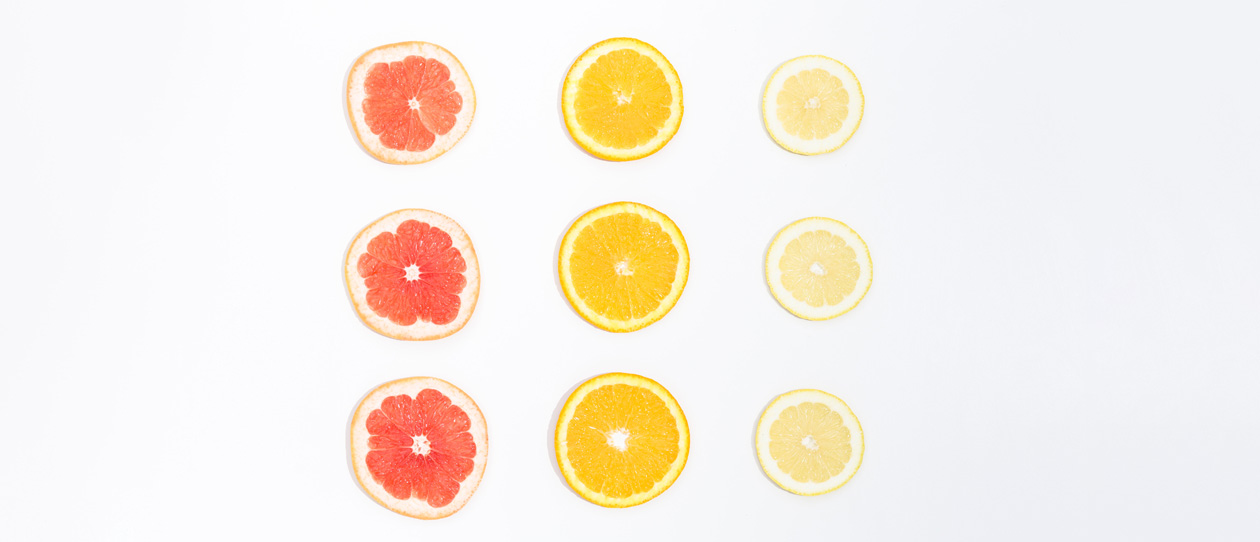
pixel 761 440
pixel 421 330
pixel 774 275
pixel 396 52
pixel 769 105
pixel 359 447
pixel 680 275
pixel 567 412
pixel 569 96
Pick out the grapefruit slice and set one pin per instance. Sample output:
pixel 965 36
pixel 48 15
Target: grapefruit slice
pixel 409 102
pixel 413 275
pixel 419 446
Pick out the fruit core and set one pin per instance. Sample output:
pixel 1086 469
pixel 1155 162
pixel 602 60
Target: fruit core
pixel 809 442
pixel 618 438
pixel 420 445
pixel 623 268
pixel 817 269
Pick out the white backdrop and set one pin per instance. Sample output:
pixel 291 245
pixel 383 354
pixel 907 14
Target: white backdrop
pixel 1060 199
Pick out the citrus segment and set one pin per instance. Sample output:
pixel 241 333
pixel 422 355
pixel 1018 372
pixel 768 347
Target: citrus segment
pixel 413 275
pixel 622 100
pixel 809 442
pixel 623 266
pixel 812 105
pixel 621 440
pixel 418 446
pixel 818 268
pixel 409 102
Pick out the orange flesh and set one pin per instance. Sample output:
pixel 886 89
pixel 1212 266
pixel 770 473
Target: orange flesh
pixel 615 416
pixel 623 99
pixel 623 265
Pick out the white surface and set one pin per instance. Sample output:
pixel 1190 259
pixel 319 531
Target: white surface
pixel 1060 199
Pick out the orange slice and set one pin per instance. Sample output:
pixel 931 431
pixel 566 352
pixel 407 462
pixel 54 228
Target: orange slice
pixel 419 446
pixel 622 100
pixel 621 440
pixel 413 275
pixel 623 266
pixel 409 102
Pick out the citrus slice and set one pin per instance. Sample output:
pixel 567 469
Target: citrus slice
pixel 418 446
pixel 818 268
pixel 413 275
pixel 409 102
pixel 812 105
pixel 622 100
pixel 809 442
pixel 621 440
pixel 623 266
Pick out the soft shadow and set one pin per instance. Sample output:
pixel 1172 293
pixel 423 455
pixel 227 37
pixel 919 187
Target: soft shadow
pixel 349 451
pixel 345 108
pixel 555 258
pixel 345 289
pixel 551 435
pixel 761 469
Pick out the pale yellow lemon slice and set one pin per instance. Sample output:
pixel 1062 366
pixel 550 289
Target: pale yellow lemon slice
pixel 812 105
pixel 818 268
pixel 809 442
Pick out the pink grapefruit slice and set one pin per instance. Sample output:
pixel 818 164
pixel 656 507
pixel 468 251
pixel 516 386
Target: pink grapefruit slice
pixel 419 446
pixel 409 102
pixel 413 275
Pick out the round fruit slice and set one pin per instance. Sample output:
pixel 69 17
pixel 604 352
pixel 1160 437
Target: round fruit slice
pixel 413 275
pixel 419 446
pixel 809 442
pixel 621 440
pixel 409 102
pixel 812 105
pixel 622 100
pixel 623 266
pixel 818 268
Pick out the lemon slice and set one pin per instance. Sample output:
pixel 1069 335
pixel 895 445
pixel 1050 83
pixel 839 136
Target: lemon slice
pixel 818 268
pixel 621 440
pixel 812 105
pixel 809 442
pixel 623 266
pixel 622 100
